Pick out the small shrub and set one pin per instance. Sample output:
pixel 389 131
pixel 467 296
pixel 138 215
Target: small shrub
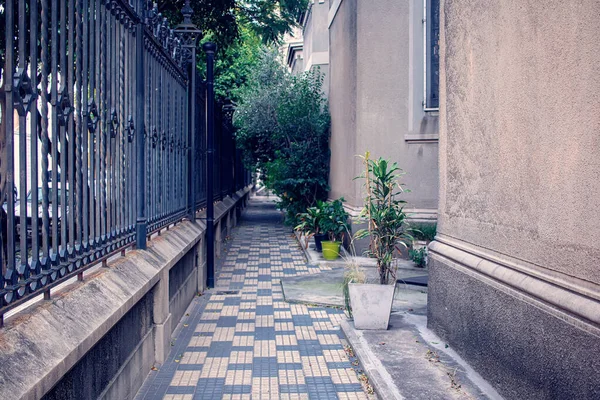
pixel 424 231
pixel 419 257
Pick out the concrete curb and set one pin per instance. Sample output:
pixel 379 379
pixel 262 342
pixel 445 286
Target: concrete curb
pixel 379 378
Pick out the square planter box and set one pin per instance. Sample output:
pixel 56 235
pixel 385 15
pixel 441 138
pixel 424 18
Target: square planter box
pixel 371 305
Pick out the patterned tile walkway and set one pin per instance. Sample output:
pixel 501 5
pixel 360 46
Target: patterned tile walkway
pixel 243 341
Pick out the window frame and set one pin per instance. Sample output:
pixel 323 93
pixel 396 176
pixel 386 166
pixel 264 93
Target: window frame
pixel 427 57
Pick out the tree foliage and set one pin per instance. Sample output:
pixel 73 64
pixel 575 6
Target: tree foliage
pixel 269 19
pixel 239 28
pixel 234 65
pixel 283 129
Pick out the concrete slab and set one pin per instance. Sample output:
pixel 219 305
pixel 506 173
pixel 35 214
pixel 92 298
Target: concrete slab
pixel 325 288
pixel 408 361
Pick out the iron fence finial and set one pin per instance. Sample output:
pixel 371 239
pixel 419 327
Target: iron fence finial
pixel 187 12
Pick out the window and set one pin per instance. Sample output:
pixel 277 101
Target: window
pixel 431 35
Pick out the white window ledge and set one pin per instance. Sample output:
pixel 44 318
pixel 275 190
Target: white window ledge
pixel 421 137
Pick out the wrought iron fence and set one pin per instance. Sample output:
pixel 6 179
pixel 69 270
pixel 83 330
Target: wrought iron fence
pixel 102 125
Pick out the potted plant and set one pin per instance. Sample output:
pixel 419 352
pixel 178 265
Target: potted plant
pixel 310 225
pixel 334 222
pixel 388 231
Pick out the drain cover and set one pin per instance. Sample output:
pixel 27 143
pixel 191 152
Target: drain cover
pixel 227 292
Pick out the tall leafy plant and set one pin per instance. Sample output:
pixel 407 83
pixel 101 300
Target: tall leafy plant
pixel 283 130
pixel 384 213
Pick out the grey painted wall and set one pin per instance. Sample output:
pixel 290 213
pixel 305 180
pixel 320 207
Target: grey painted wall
pixel 316 29
pixel 377 99
pixel 307 34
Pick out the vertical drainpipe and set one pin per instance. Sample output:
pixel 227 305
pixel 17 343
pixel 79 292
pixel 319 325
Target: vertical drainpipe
pixel 210 49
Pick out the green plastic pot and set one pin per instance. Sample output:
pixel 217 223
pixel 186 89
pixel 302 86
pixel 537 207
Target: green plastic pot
pixel 331 250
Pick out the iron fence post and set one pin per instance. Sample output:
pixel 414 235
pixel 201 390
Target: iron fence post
pixel 210 49
pixel 141 227
pixel 192 134
pixel 189 34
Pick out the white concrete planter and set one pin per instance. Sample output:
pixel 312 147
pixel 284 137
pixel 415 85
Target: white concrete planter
pixel 371 305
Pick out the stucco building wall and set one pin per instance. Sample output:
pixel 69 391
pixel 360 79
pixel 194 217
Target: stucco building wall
pixel 376 94
pixel 342 102
pixel 316 40
pixel 518 216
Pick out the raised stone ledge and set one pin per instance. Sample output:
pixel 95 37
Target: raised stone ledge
pixel 39 345
pixel 562 299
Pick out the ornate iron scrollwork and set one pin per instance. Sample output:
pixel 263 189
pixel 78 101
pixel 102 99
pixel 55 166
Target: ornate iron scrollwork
pixel 114 123
pixel 188 35
pixel 163 142
pixel 24 94
pixel 164 33
pixel 63 108
pixel 154 137
pixel 130 129
pixel 92 117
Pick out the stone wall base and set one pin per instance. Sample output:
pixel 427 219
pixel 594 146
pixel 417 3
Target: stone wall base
pixel 526 347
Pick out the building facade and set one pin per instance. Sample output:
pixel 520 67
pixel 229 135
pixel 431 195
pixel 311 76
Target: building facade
pixel 379 99
pixel 316 40
pixel 514 273
pixel 292 50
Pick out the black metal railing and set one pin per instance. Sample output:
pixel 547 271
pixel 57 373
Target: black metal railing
pixel 102 137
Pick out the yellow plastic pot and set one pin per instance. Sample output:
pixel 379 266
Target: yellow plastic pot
pixel 331 250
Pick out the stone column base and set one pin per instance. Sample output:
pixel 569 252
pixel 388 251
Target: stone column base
pixel 530 339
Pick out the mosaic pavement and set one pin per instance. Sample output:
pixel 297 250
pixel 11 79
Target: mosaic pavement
pixel 243 341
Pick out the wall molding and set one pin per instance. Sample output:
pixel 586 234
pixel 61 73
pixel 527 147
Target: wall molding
pixel 333 12
pixel 421 137
pixel 562 298
pixel 317 58
pixel 414 214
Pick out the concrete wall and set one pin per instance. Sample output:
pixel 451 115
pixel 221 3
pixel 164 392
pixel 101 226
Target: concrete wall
pixel 519 165
pixel 342 102
pixel 297 64
pixel 98 339
pixel 376 94
pixel 307 33
pixel 316 41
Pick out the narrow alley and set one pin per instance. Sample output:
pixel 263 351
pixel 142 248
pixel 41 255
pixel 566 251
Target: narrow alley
pixel 242 340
